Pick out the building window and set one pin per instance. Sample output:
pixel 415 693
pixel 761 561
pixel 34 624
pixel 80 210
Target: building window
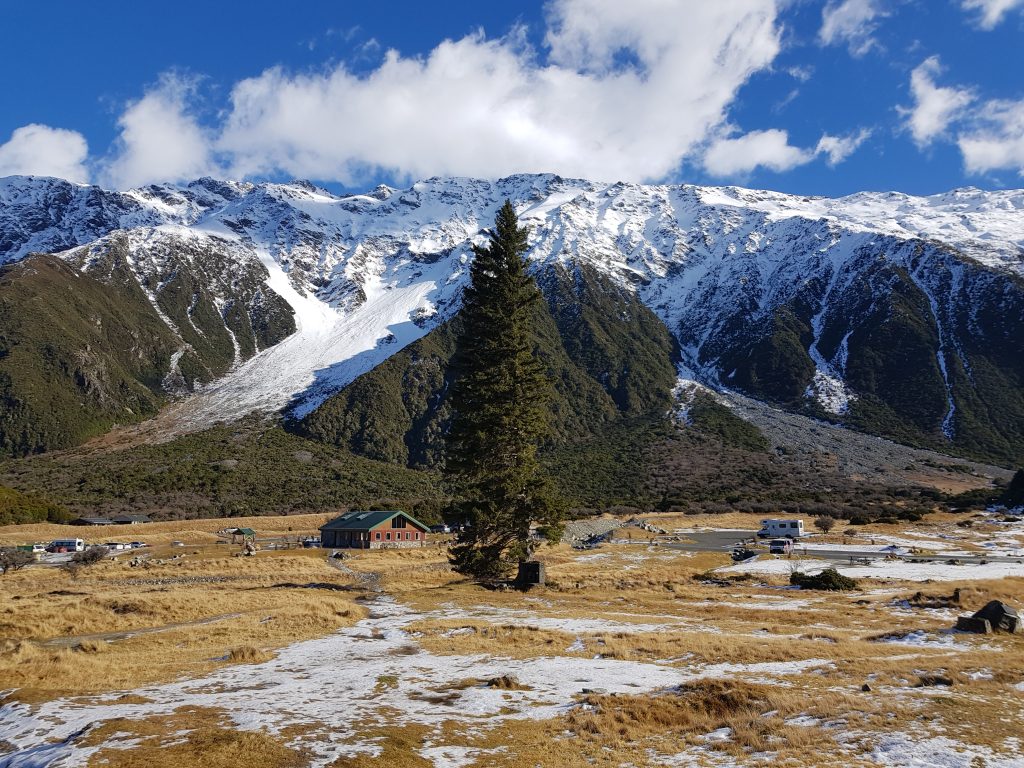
pixel 378 535
pixel 398 522
pixel 417 534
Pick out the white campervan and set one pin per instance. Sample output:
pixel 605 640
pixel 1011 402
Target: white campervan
pixel 790 529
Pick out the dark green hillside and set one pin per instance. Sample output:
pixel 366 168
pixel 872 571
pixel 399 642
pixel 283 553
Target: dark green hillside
pixel 393 413
pixel 893 343
pixel 775 367
pixel 894 370
pixel 609 356
pixel 990 396
pixel 81 351
pixel 616 340
pixel 250 468
pixel 186 287
pixel 17 508
pixel 76 355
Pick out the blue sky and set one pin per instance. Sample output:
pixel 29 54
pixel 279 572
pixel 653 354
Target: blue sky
pixel 802 96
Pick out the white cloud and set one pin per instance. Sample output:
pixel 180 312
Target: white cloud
pixel 160 140
pixel 934 107
pixel 851 23
pixel 995 141
pixel 39 150
pixel 766 149
pixel 838 148
pixel 991 11
pixel 989 134
pixel 733 156
pixel 478 106
pixel 801 74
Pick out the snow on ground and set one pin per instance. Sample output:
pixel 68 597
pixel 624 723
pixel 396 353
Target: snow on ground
pixel 813 546
pixel 777 604
pixel 909 541
pixel 898 749
pixel 881 569
pixel 332 683
pixel 560 623
pixel 922 639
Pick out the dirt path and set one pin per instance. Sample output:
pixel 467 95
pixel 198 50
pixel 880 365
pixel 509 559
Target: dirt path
pixel 368 581
pixel 73 641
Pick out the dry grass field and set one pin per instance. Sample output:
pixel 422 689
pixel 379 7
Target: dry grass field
pixel 189 531
pixel 631 655
pixel 116 627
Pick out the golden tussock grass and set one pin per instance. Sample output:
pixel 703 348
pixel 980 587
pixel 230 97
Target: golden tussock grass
pixel 189 531
pixel 405 570
pixel 190 737
pixel 754 713
pixel 398 748
pixel 247 654
pixel 187 616
pixel 485 637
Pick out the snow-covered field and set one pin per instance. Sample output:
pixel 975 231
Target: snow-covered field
pixel 879 569
pixel 336 680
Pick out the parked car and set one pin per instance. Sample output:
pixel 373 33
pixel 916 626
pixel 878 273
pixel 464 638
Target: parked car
pixel 440 529
pixel 780 546
pixel 742 553
pixel 137 545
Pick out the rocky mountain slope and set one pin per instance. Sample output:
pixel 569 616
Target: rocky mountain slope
pixel 898 315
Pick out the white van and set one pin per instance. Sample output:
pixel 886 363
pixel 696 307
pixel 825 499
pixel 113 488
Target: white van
pixel 790 529
pixel 67 545
pixel 780 547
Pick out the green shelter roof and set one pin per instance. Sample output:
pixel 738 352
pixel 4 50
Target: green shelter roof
pixel 364 521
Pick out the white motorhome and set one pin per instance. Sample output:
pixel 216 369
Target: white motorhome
pixel 790 529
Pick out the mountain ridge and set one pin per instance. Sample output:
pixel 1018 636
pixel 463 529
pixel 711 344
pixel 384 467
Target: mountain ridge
pixel 800 301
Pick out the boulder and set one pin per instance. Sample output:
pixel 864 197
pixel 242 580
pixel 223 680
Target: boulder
pixel 1002 617
pixel 971 624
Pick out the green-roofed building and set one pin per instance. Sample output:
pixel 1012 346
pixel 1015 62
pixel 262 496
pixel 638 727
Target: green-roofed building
pixel 373 530
pixel 245 534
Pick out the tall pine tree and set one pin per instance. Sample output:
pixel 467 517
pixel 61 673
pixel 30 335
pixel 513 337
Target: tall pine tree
pixel 499 400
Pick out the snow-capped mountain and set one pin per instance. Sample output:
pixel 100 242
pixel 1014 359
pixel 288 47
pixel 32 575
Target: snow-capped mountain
pixel 811 302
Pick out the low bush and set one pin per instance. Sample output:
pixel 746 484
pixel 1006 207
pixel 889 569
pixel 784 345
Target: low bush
pixel 830 579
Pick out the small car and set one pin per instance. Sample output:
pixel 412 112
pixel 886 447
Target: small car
pixel 780 546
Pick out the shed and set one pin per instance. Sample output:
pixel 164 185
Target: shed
pixel 374 530
pixel 246 534
pixel 91 521
pixel 130 519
